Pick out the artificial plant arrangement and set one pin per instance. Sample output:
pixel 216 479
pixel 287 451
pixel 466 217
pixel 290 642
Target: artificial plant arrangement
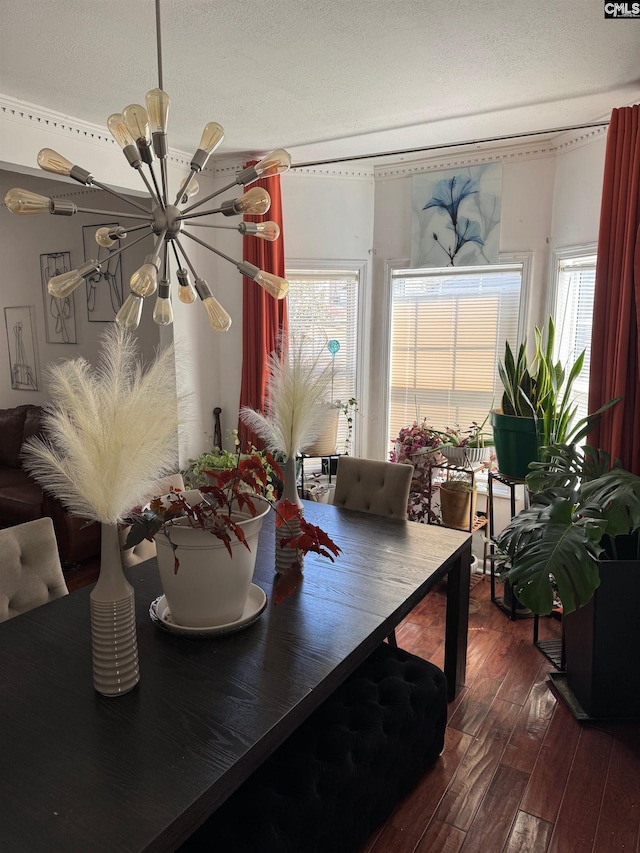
pixel 584 509
pixel 419 445
pixel 110 433
pixel 217 506
pixel 294 415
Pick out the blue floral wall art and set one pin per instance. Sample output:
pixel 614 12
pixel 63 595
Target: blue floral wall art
pixel 456 217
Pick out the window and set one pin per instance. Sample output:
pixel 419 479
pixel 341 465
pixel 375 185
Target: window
pixel 324 306
pixel 448 332
pixel 573 315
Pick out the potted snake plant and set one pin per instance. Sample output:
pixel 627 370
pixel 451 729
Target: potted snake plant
pixel 580 542
pixel 537 407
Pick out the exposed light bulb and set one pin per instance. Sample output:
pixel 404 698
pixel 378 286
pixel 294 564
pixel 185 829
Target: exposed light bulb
pixel 128 317
pixel 192 189
pixel 265 230
pixel 273 284
pixel 212 136
pixel 51 161
pixel 144 281
pixel 162 310
pixel 254 202
pixel 119 130
pixel 24 202
pixel 186 293
pixel 137 123
pixel 157 103
pixel 107 236
pixel 218 318
pixel 275 163
pixel 62 285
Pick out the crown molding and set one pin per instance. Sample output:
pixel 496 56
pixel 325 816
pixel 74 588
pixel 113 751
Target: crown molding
pixel 551 147
pixel 39 117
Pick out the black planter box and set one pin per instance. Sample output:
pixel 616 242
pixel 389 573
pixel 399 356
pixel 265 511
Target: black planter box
pixel 602 644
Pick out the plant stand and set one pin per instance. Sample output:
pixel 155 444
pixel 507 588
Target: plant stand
pixel 509 608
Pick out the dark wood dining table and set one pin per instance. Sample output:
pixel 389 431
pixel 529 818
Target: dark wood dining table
pixel 81 772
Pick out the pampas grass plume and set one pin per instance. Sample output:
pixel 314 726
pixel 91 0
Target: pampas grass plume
pixel 110 432
pixel 296 402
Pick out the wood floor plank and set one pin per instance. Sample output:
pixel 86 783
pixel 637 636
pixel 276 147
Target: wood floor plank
pixel 522 673
pixel 619 824
pixel 441 838
pixel 472 711
pixel 532 724
pixel 419 807
pixel 482 644
pixel 476 771
pixel 529 834
pixel 577 822
pixel 497 813
pixel 547 783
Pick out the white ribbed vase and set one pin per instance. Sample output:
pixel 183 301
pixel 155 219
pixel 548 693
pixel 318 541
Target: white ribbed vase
pixel 287 557
pixel 114 643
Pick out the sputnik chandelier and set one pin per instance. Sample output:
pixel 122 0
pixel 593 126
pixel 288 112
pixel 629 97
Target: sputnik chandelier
pixel 142 134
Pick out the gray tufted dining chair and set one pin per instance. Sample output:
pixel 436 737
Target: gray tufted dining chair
pixel 367 485
pixel 30 570
pixel 381 488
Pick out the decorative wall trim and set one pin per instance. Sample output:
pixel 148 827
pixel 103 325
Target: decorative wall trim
pixel 511 154
pixel 39 116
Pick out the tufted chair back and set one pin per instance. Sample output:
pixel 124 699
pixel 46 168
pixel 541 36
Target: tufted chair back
pixel 30 571
pixel 381 488
pixel 145 550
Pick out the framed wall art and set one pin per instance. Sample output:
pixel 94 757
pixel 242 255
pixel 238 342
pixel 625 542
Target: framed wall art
pixel 21 341
pixel 105 293
pixel 456 217
pixel 59 314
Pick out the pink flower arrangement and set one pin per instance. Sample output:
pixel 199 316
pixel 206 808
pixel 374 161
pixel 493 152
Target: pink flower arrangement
pixel 414 441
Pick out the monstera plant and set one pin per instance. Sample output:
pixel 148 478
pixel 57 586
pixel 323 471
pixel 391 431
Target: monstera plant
pixel 585 511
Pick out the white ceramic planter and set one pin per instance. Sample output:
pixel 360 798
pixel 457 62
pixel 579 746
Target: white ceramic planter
pixel 210 588
pixel 465 455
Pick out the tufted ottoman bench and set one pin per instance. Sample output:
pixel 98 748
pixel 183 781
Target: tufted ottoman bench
pixel 340 775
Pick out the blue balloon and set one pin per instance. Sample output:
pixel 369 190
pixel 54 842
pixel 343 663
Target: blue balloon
pixel 333 347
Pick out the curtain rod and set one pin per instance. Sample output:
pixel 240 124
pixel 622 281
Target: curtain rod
pixel 447 145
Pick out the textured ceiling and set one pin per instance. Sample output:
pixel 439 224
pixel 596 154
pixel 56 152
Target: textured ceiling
pixel 326 78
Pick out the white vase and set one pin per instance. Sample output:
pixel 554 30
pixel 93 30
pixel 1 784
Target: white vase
pixel 113 622
pixel 465 456
pixel 286 557
pixel 210 587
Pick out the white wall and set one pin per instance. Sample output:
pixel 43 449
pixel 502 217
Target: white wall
pixel 23 240
pixel 527 195
pixel 577 194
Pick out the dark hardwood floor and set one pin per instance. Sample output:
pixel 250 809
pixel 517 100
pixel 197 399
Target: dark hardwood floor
pixel 519 774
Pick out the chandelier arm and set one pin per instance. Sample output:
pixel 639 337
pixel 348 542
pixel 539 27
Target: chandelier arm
pixel 209 197
pixel 175 251
pixel 207 246
pixel 184 218
pixel 210 225
pixel 138 227
pixel 163 175
pixel 118 195
pixel 159 43
pixel 154 195
pixel 122 249
pixel 185 256
pixel 182 192
pixel 117 214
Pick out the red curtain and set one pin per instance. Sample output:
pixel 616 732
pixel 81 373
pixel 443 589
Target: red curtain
pixel 615 342
pixel 264 319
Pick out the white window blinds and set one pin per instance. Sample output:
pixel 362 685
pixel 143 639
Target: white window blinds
pixel 573 316
pixel 448 332
pixel 323 306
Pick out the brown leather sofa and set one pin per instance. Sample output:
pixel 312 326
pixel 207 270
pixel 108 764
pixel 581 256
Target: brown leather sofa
pixel 22 499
